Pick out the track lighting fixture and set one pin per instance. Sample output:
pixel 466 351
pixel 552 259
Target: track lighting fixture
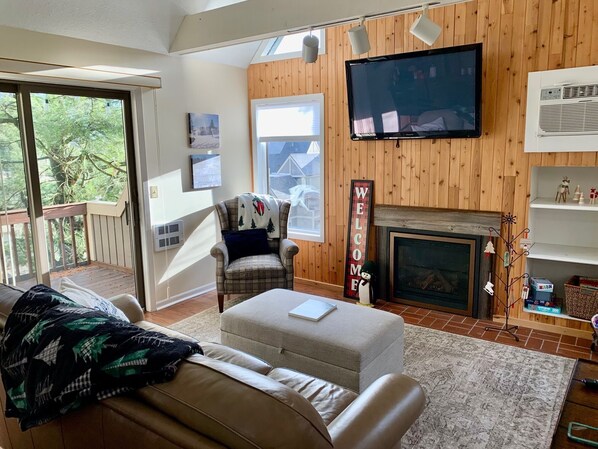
pixel 311 45
pixel 424 29
pixel 360 43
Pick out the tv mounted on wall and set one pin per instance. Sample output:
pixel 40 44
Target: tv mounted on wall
pixel 424 94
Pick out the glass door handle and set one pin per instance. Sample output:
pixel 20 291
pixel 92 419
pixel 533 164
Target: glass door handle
pixel 127 212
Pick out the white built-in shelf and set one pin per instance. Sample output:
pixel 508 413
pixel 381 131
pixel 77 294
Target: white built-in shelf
pixel 555 315
pixel 564 253
pixel 549 203
pixel 564 235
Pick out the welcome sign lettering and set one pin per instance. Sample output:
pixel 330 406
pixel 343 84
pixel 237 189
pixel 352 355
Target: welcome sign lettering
pixel 357 234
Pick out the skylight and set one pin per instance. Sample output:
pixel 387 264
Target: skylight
pixel 286 47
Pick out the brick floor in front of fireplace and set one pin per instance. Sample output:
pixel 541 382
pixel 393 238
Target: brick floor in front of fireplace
pixel 536 340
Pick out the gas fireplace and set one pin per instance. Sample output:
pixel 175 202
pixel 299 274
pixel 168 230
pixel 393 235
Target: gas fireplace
pixel 433 258
pixel 436 271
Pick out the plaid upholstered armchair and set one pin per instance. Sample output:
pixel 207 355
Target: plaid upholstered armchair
pixel 253 274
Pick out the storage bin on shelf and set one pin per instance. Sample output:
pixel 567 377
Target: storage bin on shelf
pixel 581 301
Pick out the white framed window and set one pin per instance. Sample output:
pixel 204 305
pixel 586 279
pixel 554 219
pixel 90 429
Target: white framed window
pixel 288 158
pixel 287 47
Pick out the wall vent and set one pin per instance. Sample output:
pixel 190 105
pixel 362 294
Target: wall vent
pixel 584 91
pixel 168 235
pixel 568 118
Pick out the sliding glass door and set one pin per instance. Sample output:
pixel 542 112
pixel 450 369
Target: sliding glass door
pixel 78 147
pixel 17 258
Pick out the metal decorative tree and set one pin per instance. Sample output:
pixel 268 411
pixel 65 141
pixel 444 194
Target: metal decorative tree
pixel 509 257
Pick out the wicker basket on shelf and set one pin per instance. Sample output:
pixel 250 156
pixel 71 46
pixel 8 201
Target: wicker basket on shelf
pixel 581 301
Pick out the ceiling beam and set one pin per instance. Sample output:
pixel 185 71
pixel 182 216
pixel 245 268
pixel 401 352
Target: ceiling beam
pixel 253 20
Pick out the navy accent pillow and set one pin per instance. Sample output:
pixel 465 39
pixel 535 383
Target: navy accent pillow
pixel 251 242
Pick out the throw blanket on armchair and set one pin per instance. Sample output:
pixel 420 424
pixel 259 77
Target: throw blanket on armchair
pixel 56 355
pixel 259 211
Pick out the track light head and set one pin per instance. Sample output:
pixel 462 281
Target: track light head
pixel 311 45
pixel 358 36
pixel 424 29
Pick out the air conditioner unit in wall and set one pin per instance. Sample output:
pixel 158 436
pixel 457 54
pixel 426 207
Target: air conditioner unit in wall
pixel 562 110
pixel 568 110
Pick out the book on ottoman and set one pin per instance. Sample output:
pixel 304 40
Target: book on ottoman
pixel 312 310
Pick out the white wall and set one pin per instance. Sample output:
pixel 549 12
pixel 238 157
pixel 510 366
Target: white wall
pixel 188 85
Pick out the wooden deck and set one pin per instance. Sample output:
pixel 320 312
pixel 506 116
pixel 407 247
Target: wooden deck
pixel 102 279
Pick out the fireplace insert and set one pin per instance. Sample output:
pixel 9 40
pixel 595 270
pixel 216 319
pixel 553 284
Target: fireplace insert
pixel 435 271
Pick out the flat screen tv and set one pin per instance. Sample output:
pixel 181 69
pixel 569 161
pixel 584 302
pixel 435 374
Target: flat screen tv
pixel 424 94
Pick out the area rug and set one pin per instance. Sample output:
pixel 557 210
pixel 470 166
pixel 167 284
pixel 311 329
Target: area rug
pixel 479 394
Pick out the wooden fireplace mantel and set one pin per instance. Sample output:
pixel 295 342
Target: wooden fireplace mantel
pixel 436 219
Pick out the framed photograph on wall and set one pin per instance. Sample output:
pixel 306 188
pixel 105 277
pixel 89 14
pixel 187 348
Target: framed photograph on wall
pixel 204 131
pixel 206 171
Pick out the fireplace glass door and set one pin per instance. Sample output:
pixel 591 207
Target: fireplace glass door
pixel 432 271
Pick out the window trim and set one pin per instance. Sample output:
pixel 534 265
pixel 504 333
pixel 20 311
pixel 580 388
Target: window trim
pixel 268 44
pixel 260 161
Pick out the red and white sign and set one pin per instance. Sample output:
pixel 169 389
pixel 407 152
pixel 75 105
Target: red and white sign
pixel 357 234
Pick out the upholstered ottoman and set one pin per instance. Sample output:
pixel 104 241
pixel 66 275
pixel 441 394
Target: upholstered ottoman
pixel 352 346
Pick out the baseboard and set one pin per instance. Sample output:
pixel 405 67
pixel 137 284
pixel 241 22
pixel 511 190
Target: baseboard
pixel 186 295
pixel 545 327
pixel 212 286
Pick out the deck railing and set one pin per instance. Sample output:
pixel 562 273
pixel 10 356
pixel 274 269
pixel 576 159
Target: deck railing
pixel 15 232
pixel 110 241
pixel 76 234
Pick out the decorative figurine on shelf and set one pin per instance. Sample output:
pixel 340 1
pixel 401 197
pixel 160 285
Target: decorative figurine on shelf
pixel 489 248
pixel 593 195
pixel 563 190
pixel 577 194
pixel 582 200
pixel 366 285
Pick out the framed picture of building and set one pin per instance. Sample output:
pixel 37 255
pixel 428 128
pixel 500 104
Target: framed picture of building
pixel 204 131
pixel 206 171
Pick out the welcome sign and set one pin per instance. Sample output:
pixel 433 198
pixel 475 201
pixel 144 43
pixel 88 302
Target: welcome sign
pixel 357 234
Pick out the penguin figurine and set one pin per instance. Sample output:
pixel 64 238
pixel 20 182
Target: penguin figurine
pixel 366 284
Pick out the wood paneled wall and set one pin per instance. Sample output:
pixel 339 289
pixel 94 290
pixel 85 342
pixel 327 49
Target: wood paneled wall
pixel 489 173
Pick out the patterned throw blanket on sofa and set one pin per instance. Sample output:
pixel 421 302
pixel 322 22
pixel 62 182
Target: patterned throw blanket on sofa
pixel 56 355
pixel 259 211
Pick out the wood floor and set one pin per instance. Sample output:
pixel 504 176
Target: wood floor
pixel 535 340
pixel 581 406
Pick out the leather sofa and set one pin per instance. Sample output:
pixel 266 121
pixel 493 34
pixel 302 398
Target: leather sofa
pixel 227 399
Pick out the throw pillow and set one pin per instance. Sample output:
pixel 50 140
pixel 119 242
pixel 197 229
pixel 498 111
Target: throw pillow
pixel 89 298
pixel 252 242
